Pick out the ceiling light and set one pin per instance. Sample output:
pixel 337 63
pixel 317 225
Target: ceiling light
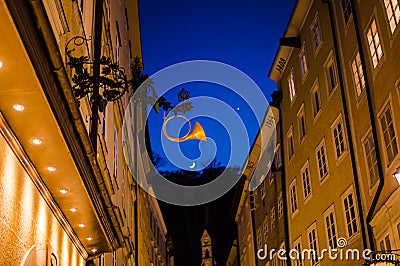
pixel 73 209
pixel 94 250
pixel 81 225
pixel 51 168
pixel 63 191
pixel 1 64
pixel 18 107
pixel 89 238
pixel 36 141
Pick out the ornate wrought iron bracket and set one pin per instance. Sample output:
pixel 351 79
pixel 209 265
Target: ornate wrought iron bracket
pixel 112 81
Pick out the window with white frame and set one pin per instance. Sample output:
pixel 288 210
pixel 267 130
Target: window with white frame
pixel 273 217
pixel 385 244
pixel 374 43
pixel 358 74
pixel 393 13
pixel 303 61
pixel 259 237
pixel 280 206
pixel 370 156
pixel 291 84
pixel 322 160
pixel 298 248
pixel 290 143
pixel 338 138
pixel 306 180
pixel 293 197
pixel 316 33
pixel 316 99
pixel 330 226
pixel 313 243
pixel 265 228
pixel 388 132
pixel 346 9
pixel 301 123
pixel 331 74
pixel 350 213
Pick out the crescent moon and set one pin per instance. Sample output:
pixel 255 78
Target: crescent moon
pixel 193 165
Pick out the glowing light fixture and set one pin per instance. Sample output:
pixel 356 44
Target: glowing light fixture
pixel 36 141
pixel 397 175
pixel 64 191
pixel 18 107
pixel 81 225
pixel 73 209
pixel 94 250
pixel 89 238
pixel 51 169
pixel 1 64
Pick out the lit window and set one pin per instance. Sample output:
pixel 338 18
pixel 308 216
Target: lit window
pixel 303 61
pixel 293 197
pixel 350 213
pixel 330 226
pixel 313 243
pixel 331 75
pixel 306 180
pixel 338 138
pixel 374 43
pixel 297 247
pixel 358 74
pixel 292 88
pixel 322 161
pixel 316 99
pixel 273 217
pixel 388 134
pixel 316 33
pixel 393 13
pixel 290 144
pixel 370 156
pixel 301 122
pixel 280 206
pixel 346 8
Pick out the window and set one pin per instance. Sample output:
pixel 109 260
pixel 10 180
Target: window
pixel 346 8
pixel 393 13
pixel 315 99
pixel 273 217
pixel 370 156
pixel 290 143
pixel 316 33
pixel 301 122
pixel 303 61
pixel 306 180
pixel 389 134
pixel 350 213
pixel 331 74
pixel 259 237
pixel 280 206
pixel 265 228
pixel 330 226
pixel 374 43
pixel 293 197
pixel 270 176
pixel 322 161
pixel 358 74
pixel 292 88
pixel 313 243
pixel 384 244
pixel 297 247
pixel 338 138
pixel 278 160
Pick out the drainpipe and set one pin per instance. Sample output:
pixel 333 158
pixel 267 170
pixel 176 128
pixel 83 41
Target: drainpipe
pixel 277 98
pixel 347 120
pixel 374 130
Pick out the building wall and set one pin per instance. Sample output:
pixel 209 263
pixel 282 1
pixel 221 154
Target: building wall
pixel 30 232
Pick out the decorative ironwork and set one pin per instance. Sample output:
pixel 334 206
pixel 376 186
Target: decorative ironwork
pixel 112 80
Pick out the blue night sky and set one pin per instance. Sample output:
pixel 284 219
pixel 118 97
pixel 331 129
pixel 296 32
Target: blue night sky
pixel 243 34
